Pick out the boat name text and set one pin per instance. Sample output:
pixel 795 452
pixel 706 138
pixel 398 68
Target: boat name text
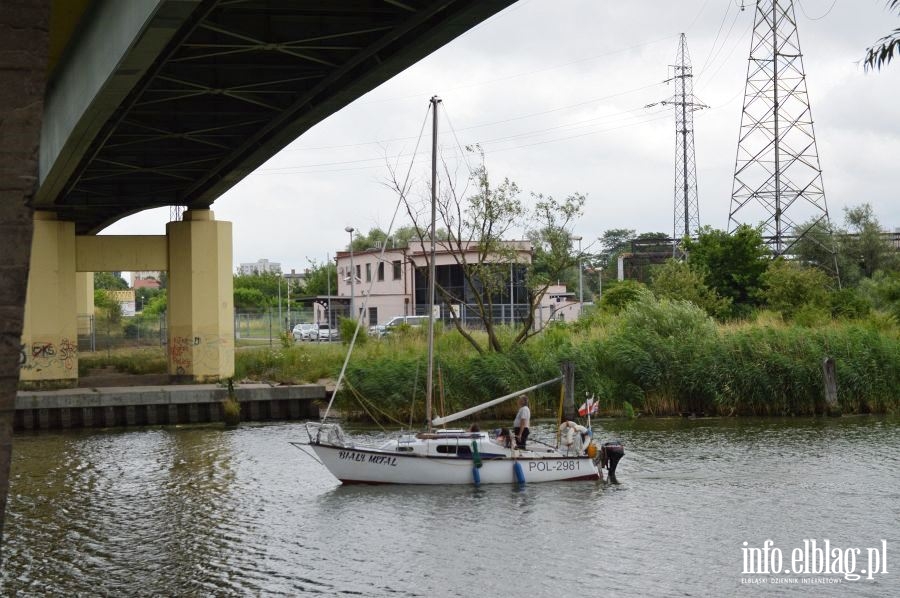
pixel 376 459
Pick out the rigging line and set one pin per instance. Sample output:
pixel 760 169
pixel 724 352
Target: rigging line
pixel 363 400
pixel 827 12
pixel 458 145
pixel 337 384
pixel 526 73
pixel 716 40
pixel 487 124
pixel 464 155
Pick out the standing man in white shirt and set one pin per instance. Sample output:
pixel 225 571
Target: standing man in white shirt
pixel 522 422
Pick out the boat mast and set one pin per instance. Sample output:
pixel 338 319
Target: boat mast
pixel 429 378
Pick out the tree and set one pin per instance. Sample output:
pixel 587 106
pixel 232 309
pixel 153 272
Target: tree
pixel 270 284
pixel 680 280
pixel 320 279
pixel 733 263
pixel 143 296
pixel 110 281
pixel 476 225
pixel 788 287
pixel 157 305
pixel 867 248
pixel 623 294
pixel 247 298
pixel 882 52
pixel 616 240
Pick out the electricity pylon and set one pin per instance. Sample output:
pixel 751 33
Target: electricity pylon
pixel 777 177
pixel 686 220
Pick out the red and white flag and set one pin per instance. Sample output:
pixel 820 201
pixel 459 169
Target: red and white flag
pixel 590 406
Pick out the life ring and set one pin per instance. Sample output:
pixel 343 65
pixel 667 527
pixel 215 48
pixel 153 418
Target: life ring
pixel 568 430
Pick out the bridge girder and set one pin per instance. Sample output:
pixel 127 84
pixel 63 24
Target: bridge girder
pixel 237 81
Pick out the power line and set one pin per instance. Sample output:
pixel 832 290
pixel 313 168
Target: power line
pixel 486 124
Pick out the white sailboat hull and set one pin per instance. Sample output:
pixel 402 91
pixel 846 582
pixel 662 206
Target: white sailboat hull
pixel 375 466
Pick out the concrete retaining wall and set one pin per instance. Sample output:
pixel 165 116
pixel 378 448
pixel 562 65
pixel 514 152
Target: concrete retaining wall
pixel 159 405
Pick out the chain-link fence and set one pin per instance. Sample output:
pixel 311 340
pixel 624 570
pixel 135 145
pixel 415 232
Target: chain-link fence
pixel 96 333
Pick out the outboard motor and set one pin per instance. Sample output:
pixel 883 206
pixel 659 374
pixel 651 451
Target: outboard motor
pixel 610 453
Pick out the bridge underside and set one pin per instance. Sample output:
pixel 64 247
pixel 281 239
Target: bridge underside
pixel 231 83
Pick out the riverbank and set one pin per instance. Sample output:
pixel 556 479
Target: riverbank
pixel 655 358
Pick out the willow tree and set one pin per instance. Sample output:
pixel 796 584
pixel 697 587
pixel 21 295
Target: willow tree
pixel 477 225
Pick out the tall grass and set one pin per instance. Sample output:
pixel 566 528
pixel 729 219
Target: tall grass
pixel 661 357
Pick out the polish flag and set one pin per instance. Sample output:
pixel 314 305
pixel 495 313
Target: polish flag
pixel 590 406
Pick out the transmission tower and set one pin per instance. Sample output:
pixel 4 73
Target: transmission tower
pixel 686 220
pixel 777 178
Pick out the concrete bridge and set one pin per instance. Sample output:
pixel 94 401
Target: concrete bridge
pixel 155 103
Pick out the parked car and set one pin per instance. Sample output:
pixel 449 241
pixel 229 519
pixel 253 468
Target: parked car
pixel 392 324
pixel 327 333
pixel 305 332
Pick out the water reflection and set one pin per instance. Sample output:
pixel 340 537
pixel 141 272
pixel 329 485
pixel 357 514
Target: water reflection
pixel 209 511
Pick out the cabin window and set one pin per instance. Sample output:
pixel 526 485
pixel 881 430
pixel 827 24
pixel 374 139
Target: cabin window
pixel 452 449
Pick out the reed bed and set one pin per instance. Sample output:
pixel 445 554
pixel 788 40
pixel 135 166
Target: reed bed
pixel 655 357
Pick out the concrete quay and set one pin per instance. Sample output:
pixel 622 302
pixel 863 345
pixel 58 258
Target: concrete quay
pixel 161 405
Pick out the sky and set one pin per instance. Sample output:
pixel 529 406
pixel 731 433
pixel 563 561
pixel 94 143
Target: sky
pixel 555 92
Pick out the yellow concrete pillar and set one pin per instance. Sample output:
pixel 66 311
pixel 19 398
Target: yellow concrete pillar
pixel 84 301
pixel 201 298
pixel 49 335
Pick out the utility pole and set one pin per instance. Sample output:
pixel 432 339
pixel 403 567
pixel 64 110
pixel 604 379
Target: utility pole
pixel 350 230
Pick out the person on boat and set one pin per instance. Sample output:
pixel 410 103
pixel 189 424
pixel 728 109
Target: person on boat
pixel 474 428
pixel 503 437
pixel 521 422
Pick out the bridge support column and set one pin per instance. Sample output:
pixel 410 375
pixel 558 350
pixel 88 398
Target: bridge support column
pixel 49 335
pixel 201 300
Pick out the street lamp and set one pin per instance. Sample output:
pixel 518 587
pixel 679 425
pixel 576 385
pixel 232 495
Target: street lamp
pixel 350 230
pixel 580 285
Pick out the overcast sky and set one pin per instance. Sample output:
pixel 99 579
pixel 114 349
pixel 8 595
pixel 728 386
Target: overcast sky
pixel 554 91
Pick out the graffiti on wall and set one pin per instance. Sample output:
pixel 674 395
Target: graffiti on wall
pixel 193 355
pixel 46 355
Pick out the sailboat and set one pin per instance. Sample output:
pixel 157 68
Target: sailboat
pixel 440 456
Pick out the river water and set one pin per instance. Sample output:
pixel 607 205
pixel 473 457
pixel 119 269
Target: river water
pixel 204 511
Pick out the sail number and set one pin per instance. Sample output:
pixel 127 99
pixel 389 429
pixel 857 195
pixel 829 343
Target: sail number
pixel 554 466
pixel 376 459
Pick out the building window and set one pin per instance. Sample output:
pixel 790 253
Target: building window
pixel 380 271
pixel 358 277
pixel 373 316
pixel 368 272
pixel 397 269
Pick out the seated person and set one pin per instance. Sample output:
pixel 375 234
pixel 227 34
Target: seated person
pixel 503 438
